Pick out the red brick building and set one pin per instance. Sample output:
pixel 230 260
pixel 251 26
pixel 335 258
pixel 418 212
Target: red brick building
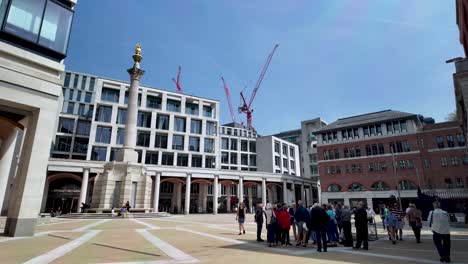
pixel 356 156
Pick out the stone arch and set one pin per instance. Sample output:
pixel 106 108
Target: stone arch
pixel 173 180
pixel 62 190
pixel 334 187
pixel 356 187
pixel 379 186
pixel 58 176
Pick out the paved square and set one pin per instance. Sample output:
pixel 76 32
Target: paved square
pixel 199 239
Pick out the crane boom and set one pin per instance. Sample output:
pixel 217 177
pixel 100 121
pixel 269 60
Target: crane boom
pixel 262 74
pixel 177 82
pixel 226 90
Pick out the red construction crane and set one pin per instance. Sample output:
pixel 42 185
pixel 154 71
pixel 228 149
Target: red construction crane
pixel 177 82
pixel 226 90
pixel 246 108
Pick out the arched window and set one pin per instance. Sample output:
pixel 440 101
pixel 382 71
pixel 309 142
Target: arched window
pixel 380 186
pixel 407 185
pixel 334 188
pixel 356 187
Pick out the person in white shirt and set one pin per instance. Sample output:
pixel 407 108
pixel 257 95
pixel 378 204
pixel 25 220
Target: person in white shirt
pixel 439 222
pixel 370 214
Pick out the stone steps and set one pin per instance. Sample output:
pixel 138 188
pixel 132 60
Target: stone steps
pixel 109 215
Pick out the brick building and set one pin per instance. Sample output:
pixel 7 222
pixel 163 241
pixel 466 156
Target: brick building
pixel 356 155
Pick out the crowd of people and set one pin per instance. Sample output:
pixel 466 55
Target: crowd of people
pixel 329 225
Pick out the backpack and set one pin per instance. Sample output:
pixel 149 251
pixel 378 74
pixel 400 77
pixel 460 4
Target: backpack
pixel 273 221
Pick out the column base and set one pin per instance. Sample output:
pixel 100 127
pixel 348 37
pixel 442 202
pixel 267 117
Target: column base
pixel 16 227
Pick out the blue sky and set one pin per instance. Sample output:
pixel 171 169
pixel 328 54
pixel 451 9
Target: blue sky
pixel 336 58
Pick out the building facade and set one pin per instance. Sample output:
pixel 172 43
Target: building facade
pixel 373 156
pixel 33 43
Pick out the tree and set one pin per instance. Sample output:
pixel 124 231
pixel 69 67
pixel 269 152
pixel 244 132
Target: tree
pixel 452 116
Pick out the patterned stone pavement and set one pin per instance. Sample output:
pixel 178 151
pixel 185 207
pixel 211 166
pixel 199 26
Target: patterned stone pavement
pixel 198 239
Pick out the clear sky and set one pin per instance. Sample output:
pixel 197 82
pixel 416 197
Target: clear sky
pixel 336 58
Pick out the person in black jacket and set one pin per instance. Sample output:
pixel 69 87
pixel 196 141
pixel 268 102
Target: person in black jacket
pixel 259 220
pixel 318 223
pixel 360 221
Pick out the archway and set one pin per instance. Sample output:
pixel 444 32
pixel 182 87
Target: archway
pixel 63 193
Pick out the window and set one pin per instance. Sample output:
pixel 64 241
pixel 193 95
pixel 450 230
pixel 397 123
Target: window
pixel 207 111
pixel 444 161
pixel 345 153
pixel 233 158
pixel 209 145
pixel 113 153
pixel 88 96
pixel 99 153
pixel 379 129
pixel 224 143
pixel 160 141
pixel 277 161
pixel 368 150
pixel 459 183
pixel 143 138
pixel 110 95
pixel 356 187
pixel 233 144
pixel 285 150
pixel 91 84
pixel 337 154
pixel 70 94
pixel 244 145
pixel 211 128
pixel 194 144
pixel 81 110
pixel 104 114
pixel 80 145
pixel 70 108
pixel 196 161
pixel 151 157
pixel 374 149
pixel 173 105
pixel 427 164
pixel 83 128
pixel 195 126
pixel 277 147
pixel 449 183
pixel 460 140
pixel 144 119
pixel 191 108
pixel 178 142
pixel 224 157
pixel 244 159
pixel 407 185
pixel 314 169
pixel 182 160
pixel 465 159
pixel 313 157
pixel 366 131
pixel 334 188
pixel 450 142
pixel 253 146
pixel 292 165
pixel 409 164
pixel 66 83
pixel 122 116
pixel 179 124
pixel 285 164
pixel 66 125
pixel 381 149
pixel 454 160
pixel 440 141
pixel 403 126
pixel 83 82
pixel 358 151
pixel 162 122
pixel 120 140
pixel 153 102
pixel 75 81
pixel 253 160
pixel 402 164
pixel 380 186
pixel 167 159
pixel 103 134
pixel 63 143
pixel 210 162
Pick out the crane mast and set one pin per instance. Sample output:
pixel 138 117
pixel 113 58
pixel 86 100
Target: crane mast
pixel 177 81
pixel 228 96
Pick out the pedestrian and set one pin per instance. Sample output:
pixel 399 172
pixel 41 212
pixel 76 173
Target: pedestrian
pixel 259 213
pixel 339 224
pixel 383 215
pixel 292 211
pixel 270 224
pixel 439 222
pixel 127 206
pixel 301 217
pixel 415 221
pixel 83 207
pixel 319 223
pixel 400 217
pixel 112 211
pixel 391 222
pixel 360 222
pixel 240 217
pixel 331 227
pixel 346 222
pixel 284 225
pixel 370 215
pixel 278 232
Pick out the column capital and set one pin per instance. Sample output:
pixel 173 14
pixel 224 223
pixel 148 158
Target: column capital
pixel 135 73
pixel 86 169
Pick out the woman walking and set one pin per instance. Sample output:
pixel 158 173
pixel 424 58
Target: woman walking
pixel 240 217
pixel 415 221
pixel 284 225
pixel 331 228
pixel 270 224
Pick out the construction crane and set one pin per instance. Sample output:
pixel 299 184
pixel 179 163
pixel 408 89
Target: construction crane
pixel 247 108
pixel 177 82
pixel 226 90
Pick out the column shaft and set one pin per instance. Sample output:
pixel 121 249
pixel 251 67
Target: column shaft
pixel 285 193
pixel 240 195
pixel 157 183
pixel 215 195
pixel 84 188
pixel 187 194
pixel 264 198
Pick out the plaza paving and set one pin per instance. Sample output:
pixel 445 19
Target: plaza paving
pixel 198 239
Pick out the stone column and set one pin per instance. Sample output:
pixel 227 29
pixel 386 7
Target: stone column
pixel 179 197
pixel 249 193
pixel 264 198
pixel 215 195
pixel 156 187
pixel 84 188
pixel 303 193
pixel 240 195
pixel 294 192
pixel 188 184
pixel 285 193
pixel 204 197
pixel 228 198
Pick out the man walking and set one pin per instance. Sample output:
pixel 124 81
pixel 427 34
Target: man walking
pixel 259 220
pixel 301 217
pixel 292 211
pixel 319 223
pixel 346 222
pixel 439 222
pixel 360 221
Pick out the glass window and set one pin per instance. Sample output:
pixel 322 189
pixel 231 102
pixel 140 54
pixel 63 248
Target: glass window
pixel 83 82
pixel 244 159
pixel 207 111
pixel 80 145
pixel 244 145
pixel 450 141
pixel 211 128
pixel 194 144
pixel 195 126
pixel 66 83
pixel 75 81
pixel 63 143
pixel 143 138
pixel 120 136
pixel 403 126
pixel 99 153
pixel 88 96
pixel 277 161
pixel 277 147
pixel 334 188
pixel 427 164
pixel 104 114
pixel 196 161
pixel 110 95
pixel 182 160
pixel 460 140
pixel 233 158
pixel 173 105
pixel 179 124
pixel 151 157
pixel 160 141
pixel 122 116
pixel 70 94
pixel 292 165
pixel 66 125
pixel 285 164
pixel 407 185
pixel 70 108
pixel 83 128
pixel 167 159
pixel 380 186
pixel 356 187
pixel 92 81
pixel 144 119
pixel 285 150
pixel 210 162
pixel 209 145
pixel 233 144
pixel 162 122
pixel 103 134
pixel 253 146
pixel 153 102
pixel 191 109
pixel 465 160
pixel 55 28
pixel 224 143
pixel 224 157
pixel 24 18
pixel 178 142
pixel 440 141
pixel 82 110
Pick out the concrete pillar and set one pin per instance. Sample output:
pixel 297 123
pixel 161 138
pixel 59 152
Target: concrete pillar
pixel 228 197
pixel 215 195
pixel 8 164
pixel 188 183
pixel 179 197
pixel 285 193
pixel 369 202
pixel 240 193
pixel 270 197
pixel 84 188
pixel 156 187
pixel 294 192
pixel 249 193
pixel 204 197
pixel 303 193
pixel 264 198
pixel 44 197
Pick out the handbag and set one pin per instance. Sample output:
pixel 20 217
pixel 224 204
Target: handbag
pixel 273 221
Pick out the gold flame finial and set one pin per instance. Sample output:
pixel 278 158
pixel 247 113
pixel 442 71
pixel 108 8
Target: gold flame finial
pixel 137 56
